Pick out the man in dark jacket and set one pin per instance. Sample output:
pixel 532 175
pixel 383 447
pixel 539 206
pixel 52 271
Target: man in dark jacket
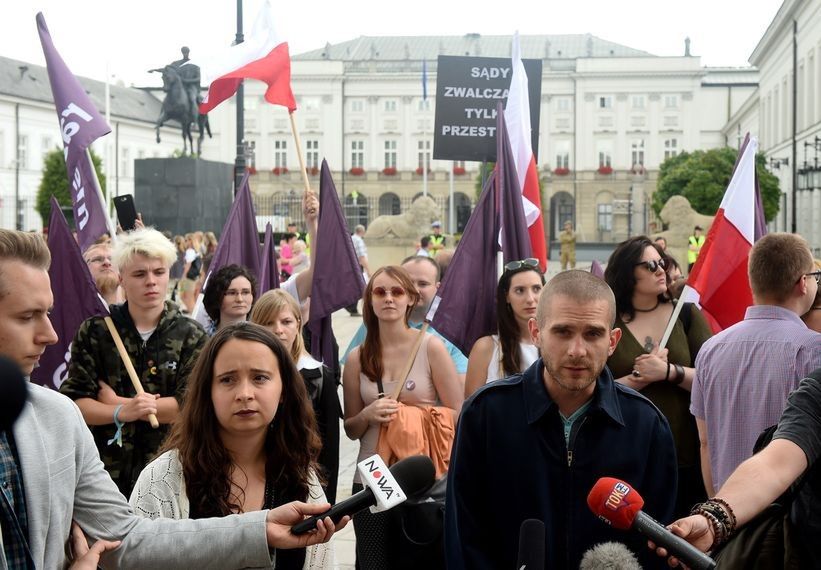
pixel 163 345
pixel 534 444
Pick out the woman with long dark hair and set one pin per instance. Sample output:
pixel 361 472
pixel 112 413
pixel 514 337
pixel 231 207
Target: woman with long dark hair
pixel 511 350
pixel 245 440
pixel 636 272
pixel 229 297
pixel 374 369
pixel 279 312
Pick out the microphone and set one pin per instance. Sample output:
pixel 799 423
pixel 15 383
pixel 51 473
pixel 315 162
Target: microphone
pixel 619 505
pixel 13 394
pixel 609 556
pixel 531 545
pixel 384 488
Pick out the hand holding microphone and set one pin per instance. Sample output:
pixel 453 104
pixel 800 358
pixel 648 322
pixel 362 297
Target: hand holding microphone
pixel 619 505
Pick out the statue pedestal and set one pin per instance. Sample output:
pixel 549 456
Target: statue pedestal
pixel 184 194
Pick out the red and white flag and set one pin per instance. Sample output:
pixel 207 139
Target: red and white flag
pixel 261 56
pixel 517 118
pixel 719 276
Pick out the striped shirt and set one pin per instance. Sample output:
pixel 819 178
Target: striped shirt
pixel 743 377
pixel 13 516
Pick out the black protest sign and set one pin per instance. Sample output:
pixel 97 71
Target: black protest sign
pixel 467 91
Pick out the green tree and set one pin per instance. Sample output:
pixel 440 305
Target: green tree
pixel 55 181
pixel 702 177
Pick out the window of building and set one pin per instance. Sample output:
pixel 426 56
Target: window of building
pixel 606 121
pixel 671 101
pixel 312 153
pixel 389 204
pixel 670 121
pixel 357 154
pixel 605 217
pixel 606 102
pixel 670 148
pixel 562 122
pixel 605 153
pixel 281 154
pixel 423 104
pixel 563 104
pixel 141 154
pixel 390 105
pixel 391 125
pixel 23 151
pixel 637 101
pixel 390 154
pixel 637 121
pixel 563 154
pixel 423 155
pixel 46 146
pixel 250 153
pixel 637 152
pixel 309 103
pixel 357 106
pixel 125 162
pixel 312 123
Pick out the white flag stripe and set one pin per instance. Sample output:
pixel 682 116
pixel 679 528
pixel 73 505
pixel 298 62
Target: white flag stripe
pixel 738 208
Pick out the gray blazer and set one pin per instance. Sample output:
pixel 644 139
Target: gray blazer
pixel 64 479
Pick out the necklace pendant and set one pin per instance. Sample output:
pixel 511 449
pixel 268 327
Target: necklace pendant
pixel 648 344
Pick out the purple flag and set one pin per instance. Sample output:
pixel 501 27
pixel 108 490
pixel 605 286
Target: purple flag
pixel 75 299
pixel 460 317
pixel 596 269
pixel 337 280
pixel 515 238
pixel 268 275
pixel 80 125
pixel 239 241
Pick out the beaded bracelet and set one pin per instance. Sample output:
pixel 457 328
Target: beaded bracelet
pixel 728 510
pixel 721 518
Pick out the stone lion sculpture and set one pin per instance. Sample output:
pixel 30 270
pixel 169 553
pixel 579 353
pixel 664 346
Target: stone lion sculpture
pixel 680 218
pixel 407 225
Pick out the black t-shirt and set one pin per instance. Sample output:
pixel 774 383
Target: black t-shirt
pixel 801 424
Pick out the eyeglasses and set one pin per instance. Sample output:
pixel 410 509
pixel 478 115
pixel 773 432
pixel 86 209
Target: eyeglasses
pixel 396 291
pixel 240 293
pixel 653 265
pixel 99 259
pixel 816 274
pixel 514 265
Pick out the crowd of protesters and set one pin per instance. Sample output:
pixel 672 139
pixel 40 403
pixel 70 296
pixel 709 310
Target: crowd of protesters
pixel 573 385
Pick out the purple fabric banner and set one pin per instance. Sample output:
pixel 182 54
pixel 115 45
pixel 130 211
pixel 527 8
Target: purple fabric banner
pixel 337 280
pixel 268 277
pixel 515 238
pixel 75 299
pixel 596 269
pixel 80 125
pixel 239 241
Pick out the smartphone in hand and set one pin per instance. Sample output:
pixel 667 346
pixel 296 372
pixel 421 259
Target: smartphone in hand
pixel 126 212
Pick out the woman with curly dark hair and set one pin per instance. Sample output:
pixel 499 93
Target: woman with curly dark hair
pixel 245 440
pixel 230 296
pixel 636 272
pixel 511 350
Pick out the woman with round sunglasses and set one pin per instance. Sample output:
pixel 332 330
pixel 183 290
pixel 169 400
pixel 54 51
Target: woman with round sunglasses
pixel 636 272
pixel 389 298
pixel 511 350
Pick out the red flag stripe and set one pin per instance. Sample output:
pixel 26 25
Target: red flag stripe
pixel 536 229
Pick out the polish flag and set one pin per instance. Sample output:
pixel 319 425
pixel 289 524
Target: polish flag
pixel 261 56
pixel 517 117
pixel 719 277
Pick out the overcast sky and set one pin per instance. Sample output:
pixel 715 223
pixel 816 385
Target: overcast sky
pixel 130 37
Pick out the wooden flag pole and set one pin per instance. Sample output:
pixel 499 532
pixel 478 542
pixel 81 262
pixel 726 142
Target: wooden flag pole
pixel 128 366
pixel 299 154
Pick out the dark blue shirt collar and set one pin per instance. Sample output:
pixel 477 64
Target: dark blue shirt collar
pixel 538 402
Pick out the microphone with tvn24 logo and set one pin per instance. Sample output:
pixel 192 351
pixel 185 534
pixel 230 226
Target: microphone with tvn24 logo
pixel 618 504
pixel 531 545
pixel 384 488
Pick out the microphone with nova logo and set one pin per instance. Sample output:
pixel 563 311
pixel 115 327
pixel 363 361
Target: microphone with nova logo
pixel 13 392
pixel 384 488
pixel 531 545
pixel 619 505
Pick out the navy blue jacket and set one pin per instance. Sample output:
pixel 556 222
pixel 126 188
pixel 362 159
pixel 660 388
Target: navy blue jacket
pixel 510 463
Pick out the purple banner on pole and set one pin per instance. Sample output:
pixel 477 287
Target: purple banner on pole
pixel 239 241
pixel 268 277
pixel 80 125
pixel 515 238
pixel 337 280
pixel 75 299
pixel 596 269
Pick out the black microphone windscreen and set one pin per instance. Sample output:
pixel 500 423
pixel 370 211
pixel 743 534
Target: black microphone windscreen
pixel 415 474
pixel 531 545
pixel 13 392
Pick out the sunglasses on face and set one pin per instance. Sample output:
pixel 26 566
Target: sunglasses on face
pixel 514 265
pixel 396 291
pixel 653 265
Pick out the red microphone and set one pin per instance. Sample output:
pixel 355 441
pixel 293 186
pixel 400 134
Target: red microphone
pixel 619 505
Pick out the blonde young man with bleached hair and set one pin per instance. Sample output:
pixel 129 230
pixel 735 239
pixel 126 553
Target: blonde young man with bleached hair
pixel 163 345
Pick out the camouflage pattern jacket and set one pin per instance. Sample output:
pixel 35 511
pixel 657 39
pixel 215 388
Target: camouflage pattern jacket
pixel 163 364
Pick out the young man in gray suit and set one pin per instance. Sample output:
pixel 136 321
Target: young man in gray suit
pixel 51 471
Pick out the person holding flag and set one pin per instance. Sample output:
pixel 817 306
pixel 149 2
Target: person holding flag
pixel 163 345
